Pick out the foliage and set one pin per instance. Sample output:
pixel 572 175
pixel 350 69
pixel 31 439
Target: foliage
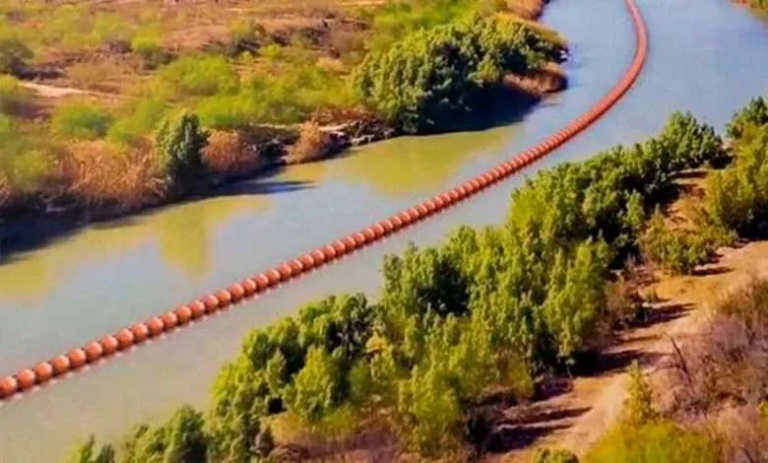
pixel 12 95
pixel 141 117
pixel 737 197
pixel 180 142
pixel 680 251
pixel 434 76
pixel 14 53
pixel 654 442
pixel 200 76
pixel 554 456
pixel 88 453
pixel 181 440
pixel 691 143
pixel 228 152
pixel 313 144
pixel 150 48
pixel 754 114
pixel 80 120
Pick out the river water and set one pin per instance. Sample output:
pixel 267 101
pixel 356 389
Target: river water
pixel 706 56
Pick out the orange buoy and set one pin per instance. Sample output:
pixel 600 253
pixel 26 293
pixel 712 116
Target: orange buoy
pixel 224 298
pixel 330 252
pixel 405 219
pixel 262 282
pixel 340 247
pixel 93 351
pixel 360 239
pixel 319 256
pixel 211 303
pixel 274 276
pixel 155 326
pixel 184 314
pixel 296 266
pixel 421 209
pixel 237 291
pixel 77 358
pixel 249 287
pixel 369 233
pixel 307 261
pixel 61 365
pixel 397 222
pixel 125 338
pixel 350 242
pixel 43 372
pixel 25 379
pixel 109 344
pixel 8 386
pixel 170 320
pixel 285 272
pixel 140 333
pixel 378 231
pixel 198 309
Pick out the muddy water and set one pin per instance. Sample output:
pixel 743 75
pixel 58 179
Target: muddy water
pixel 707 56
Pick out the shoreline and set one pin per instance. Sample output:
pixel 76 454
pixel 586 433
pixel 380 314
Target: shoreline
pixel 28 226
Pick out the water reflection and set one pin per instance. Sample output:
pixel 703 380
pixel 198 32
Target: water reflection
pixel 411 165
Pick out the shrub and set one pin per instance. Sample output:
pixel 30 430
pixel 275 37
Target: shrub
pixel 428 80
pixel 680 251
pixel 201 75
pixel 737 197
pixel 140 119
pixel 755 114
pixel 690 143
pixel 13 53
pixel 313 144
pixel 228 152
pixel 12 95
pixel 98 172
pixel 180 142
pixel 181 440
pixel 150 48
pixel 80 120
pixel 654 442
pixel 88 453
pixel 554 456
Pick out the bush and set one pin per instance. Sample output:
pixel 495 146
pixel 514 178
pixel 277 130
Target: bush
pixel 313 144
pixel 680 251
pixel 98 172
pixel 554 456
pixel 140 119
pixel 654 442
pixel 428 80
pixel 12 95
pixel 150 48
pixel 201 76
pixel 180 142
pixel 88 453
pixel 752 116
pixel 80 120
pixel 690 143
pixel 228 152
pixel 737 197
pixel 13 53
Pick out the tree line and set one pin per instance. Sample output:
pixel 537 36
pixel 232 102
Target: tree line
pixel 490 309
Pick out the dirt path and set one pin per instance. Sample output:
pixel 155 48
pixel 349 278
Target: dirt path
pixel 54 92
pixel 575 419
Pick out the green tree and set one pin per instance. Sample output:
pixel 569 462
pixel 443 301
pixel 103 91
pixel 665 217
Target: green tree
pixel 180 141
pixel 754 114
pixel 691 143
pixel 315 390
pixel 428 80
pixel 88 453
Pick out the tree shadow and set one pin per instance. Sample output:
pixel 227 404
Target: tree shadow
pixel 36 230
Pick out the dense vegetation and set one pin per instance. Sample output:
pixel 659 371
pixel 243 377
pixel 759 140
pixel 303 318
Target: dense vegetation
pixel 236 85
pixel 438 76
pixel 491 309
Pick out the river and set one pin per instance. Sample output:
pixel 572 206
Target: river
pixel 706 56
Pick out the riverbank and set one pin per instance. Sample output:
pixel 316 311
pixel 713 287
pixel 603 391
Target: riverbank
pixel 77 185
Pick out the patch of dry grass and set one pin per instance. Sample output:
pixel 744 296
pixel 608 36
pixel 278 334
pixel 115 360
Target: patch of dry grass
pixel 98 172
pixel 228 152
pixel 313 144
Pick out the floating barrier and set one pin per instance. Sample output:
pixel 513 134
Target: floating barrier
pixel 125 339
